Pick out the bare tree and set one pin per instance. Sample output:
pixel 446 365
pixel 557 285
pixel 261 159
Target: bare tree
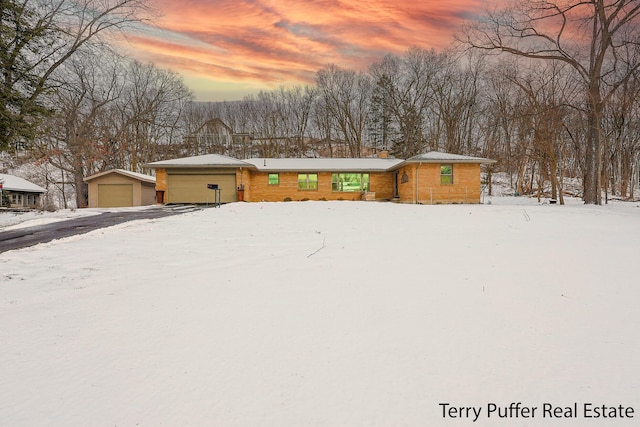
pixel 500 121
pixel 548 94
pixel 456 103
pixel 622 140
pixel 152 109
pixel 111 113
pixel 73 143
pixel 38 37
pixel 597 38
pixel 346 96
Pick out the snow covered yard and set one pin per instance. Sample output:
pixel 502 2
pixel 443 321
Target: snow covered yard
pixel 326 314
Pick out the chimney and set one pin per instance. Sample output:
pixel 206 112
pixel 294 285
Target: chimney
pixel 383 154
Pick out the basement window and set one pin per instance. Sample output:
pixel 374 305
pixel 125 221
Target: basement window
pixel 350 182
pixel 307 181
pixel 446 174
pixel 274 179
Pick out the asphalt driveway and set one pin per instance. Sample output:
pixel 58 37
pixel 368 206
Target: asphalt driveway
pixel 29 236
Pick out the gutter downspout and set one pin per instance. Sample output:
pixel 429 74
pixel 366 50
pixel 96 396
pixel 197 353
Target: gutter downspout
pixel 417 183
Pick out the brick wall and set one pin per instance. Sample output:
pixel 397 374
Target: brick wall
pixel 161 182
pixel 426 179
pixel 261 190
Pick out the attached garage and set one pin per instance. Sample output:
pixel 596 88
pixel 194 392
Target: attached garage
pixel 186 180
pixel 193 187
pixel 118 188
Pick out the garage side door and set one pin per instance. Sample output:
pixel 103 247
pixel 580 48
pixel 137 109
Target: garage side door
pixel 184 188
pixel 115 195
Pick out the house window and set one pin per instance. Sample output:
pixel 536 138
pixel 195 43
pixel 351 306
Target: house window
pixel 354 182
pixel 307 181
pixel 274 179
pixel 446 174
pixel 16 199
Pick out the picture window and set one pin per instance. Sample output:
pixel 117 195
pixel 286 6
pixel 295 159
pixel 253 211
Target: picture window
pixel 308 181
pixel 350 182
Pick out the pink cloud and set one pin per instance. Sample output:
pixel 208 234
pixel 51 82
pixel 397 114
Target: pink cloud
pixel 288 41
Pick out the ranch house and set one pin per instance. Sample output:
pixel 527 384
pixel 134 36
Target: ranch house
pixel 430 178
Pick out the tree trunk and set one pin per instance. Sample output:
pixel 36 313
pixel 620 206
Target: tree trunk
pixel 82 193
pixel 593 161
pixel 554 177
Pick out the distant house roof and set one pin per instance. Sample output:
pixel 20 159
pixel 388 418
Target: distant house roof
pixel 438 157
pixel 135 175
pixel 207 160
pixel 324 165
pixel 14 183
pixel 213 123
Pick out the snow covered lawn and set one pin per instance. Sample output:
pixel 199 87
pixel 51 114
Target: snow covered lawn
pixel 326 314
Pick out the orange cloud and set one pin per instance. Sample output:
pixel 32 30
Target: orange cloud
pixel 267 43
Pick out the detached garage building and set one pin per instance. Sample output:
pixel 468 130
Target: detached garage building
pixel 120 188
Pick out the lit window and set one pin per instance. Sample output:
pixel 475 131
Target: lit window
pixel 307 181
pixel 274 179
pixel 353 182
pixel 446 174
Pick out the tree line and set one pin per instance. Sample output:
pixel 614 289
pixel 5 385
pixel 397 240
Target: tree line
pixel 550 90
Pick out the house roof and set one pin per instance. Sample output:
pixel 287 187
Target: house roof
pixel 372 164
pixel 207 160
pixel 135 175
pixel 14 183
pixel 323 164
pixel 438 157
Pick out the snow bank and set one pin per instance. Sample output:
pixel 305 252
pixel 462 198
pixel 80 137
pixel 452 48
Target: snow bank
pixel 10 220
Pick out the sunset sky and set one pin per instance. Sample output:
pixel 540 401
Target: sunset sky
pixel 226 49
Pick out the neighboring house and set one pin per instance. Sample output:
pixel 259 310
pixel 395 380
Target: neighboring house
pixel 214 136
pixel 21 193
pixel 430 178
pixel 120 188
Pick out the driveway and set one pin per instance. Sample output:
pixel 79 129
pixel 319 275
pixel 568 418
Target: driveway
pixel 29 236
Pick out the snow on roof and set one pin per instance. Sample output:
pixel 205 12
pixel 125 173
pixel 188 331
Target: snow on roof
pixel 14 183
pixel 136 175
pixel 314 164
pixel 208 160
pixel 324 164
pixel 437 156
